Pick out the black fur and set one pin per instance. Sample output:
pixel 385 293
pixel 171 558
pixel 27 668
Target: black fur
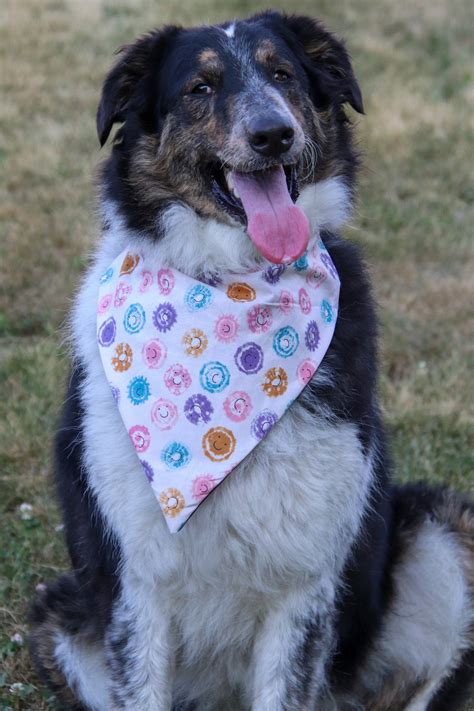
pixel 82 600
pixel 94 554
pixel 142 90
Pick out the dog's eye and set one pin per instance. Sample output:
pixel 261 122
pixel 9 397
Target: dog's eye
pixel 202 89
pixel 281 75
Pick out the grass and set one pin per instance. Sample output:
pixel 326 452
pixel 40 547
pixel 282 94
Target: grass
pixel 415 221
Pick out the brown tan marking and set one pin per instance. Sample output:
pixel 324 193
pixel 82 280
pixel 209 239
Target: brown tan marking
pixel 395 694
pixel 166 170
pixel 266 52
pixel 208 56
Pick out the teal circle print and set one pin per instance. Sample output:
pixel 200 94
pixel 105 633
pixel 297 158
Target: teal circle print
pixel 175 455
pixel 106 276
pixel 198 297
pixel 138 390
pixel 214 377
pixel 326 311
pixel 134 318
pixel 286 342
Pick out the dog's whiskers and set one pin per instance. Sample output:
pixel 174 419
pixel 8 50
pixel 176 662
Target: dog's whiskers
pixel 310 156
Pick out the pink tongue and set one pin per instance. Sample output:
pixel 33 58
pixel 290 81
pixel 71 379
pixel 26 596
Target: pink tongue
pixel 277 227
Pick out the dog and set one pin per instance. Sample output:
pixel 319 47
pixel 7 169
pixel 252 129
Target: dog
pixel 306 580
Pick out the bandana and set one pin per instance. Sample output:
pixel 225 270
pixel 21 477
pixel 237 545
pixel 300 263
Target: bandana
pixel 201 370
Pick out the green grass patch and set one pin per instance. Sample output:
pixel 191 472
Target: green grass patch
pixel 414 219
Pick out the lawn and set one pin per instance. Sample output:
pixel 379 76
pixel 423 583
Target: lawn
pixel 414 220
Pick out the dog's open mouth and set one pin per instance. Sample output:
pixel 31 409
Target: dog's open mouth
pixel 264 201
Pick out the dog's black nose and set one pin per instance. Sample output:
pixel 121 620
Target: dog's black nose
pixel 270 135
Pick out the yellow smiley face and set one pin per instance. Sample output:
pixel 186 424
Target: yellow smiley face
pixel 275 382
pixel 239 291
pixel 129 263
pixel 218 444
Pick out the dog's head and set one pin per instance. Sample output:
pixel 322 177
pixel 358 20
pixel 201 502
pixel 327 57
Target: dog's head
pixel 231 120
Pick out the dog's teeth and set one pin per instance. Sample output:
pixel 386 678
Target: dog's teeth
pixel 230 184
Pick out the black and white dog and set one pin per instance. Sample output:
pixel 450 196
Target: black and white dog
pixel 305 582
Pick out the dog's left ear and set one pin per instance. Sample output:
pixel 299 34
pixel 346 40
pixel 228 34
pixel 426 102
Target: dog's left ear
pixel 326 61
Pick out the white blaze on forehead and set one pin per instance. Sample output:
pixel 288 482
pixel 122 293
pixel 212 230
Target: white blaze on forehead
pixel 230 30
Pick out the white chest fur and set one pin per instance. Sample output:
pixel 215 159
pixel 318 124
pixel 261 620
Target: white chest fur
pixel 285 517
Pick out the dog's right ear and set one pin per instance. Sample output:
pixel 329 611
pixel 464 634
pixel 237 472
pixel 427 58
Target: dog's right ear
pixel 122 91
pixel 327 61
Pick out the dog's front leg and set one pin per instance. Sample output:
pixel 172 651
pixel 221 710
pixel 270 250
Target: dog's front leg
pixel 291 653
pixel 139 650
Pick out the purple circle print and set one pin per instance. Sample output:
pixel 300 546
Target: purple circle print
pixel 148 470
pixel 249 358
pixel 107 332
pixel 273 273
pixel 329 264
pixel 198 409
pixel 311 336
pixel 263 423
pixel 115 393
pixel 164 317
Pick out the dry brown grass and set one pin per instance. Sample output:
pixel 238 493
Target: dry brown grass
pixel 415 220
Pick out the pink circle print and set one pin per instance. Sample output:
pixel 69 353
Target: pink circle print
pixel 146 280
pixel 305 371
pixel 238 406
pixel 259 318
pixel 202 486
pixel 165 279
pixel 305 301
pixel 164 414
pixel 140 436
pixel 154 353
pixel 226 328
pixel 177 379
pixel 286 302
pixel 104 304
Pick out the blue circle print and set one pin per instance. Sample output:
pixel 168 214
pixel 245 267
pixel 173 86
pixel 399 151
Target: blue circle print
pixel 214 377
pixel 134 318
pixel 175 455
pixel 326 311
pixel 138 390
pixel 198 297
pixel 286 342
pixel 106 276
pixel 302 263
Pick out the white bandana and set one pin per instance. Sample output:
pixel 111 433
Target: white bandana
pixel 202 371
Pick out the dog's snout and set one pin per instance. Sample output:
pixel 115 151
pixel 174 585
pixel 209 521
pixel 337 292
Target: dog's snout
pixel 270 135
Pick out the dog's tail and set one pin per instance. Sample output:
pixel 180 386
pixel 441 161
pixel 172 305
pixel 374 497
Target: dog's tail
pixel 442 505
pixel 59 613
pixel 455 515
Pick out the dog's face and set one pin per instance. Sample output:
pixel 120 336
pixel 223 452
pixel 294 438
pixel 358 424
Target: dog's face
pixel 231 120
